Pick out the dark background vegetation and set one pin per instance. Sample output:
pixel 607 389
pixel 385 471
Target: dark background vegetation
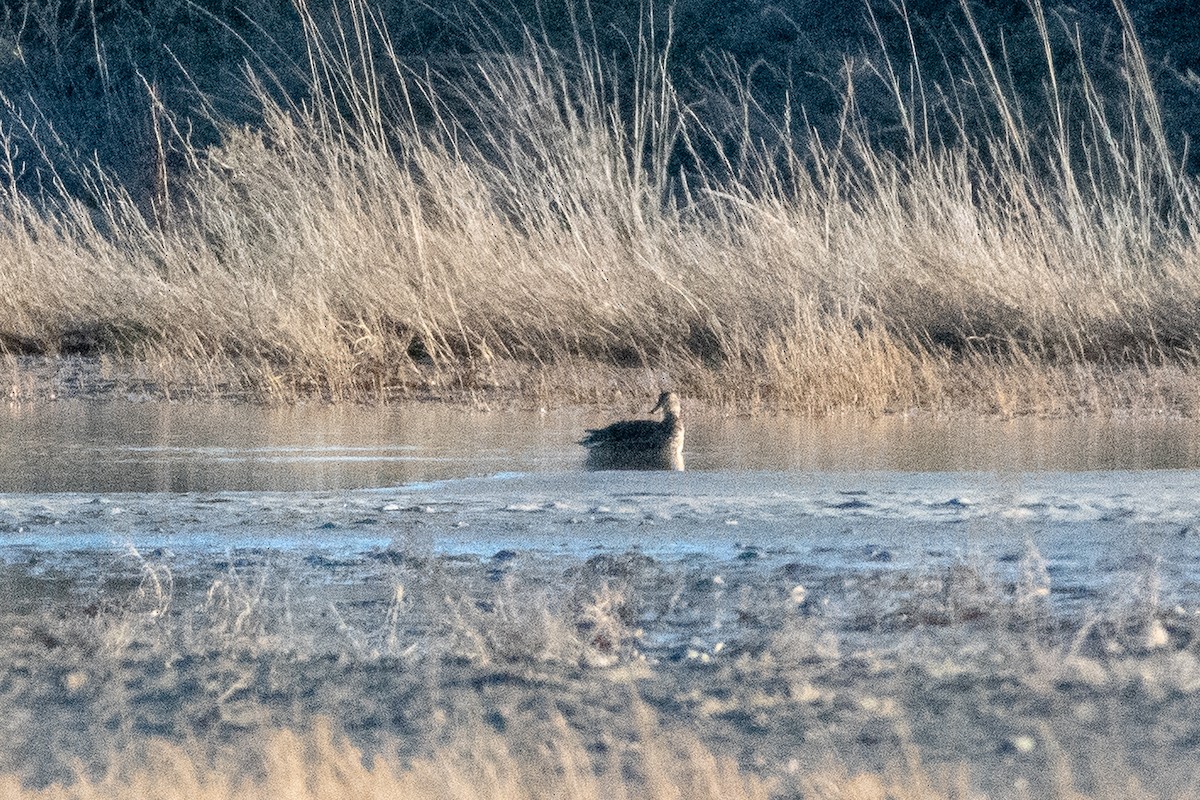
pixel 103 81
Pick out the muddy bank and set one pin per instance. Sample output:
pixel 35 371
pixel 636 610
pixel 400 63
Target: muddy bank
pixel 1038 639
pixel 976 389
pixel 405 659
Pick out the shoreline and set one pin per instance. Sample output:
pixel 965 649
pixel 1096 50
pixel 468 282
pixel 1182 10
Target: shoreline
pixel 994 391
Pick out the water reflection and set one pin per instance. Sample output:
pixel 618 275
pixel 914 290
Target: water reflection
pixel 107 447
pixel 921 443
pixel 608 457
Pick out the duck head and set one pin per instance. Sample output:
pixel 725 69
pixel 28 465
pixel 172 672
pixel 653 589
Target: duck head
pixel 668 402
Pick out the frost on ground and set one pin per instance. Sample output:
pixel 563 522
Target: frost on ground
pixel 946 644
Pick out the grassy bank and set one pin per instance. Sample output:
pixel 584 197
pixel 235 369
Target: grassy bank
pixel 272 674
pixel 538 222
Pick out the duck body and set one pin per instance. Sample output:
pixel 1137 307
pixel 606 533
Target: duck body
pixel 639 444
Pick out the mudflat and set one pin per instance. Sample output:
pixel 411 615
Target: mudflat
pixel 810 633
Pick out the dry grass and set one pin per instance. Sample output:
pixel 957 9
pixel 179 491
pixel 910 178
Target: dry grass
pixel 511 706
pixel 521 225
pixel 322 765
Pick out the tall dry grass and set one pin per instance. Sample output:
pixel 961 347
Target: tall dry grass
pixel 533 221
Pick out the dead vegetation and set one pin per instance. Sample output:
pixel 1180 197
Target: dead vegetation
pixel 521 226
pixel 973 685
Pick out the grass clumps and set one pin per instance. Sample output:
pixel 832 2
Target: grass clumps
pixel 559 222
pixel 373 676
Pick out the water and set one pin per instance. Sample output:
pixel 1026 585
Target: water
pixel 982 582
pixel 843 496
pixel 164 447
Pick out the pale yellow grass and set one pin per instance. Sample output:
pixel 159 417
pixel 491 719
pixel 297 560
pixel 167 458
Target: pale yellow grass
pixel 323 766
pixel 529 235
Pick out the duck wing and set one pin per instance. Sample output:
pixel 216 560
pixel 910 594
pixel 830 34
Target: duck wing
pixel 630 433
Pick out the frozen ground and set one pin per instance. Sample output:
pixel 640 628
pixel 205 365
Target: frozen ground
pixel 1041 628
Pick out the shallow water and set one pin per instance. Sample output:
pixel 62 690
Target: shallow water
pixel 817 580
pixel 1097 498
pixel 166 447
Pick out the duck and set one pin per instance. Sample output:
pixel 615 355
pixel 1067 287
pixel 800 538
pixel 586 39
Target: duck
pixel 641 444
